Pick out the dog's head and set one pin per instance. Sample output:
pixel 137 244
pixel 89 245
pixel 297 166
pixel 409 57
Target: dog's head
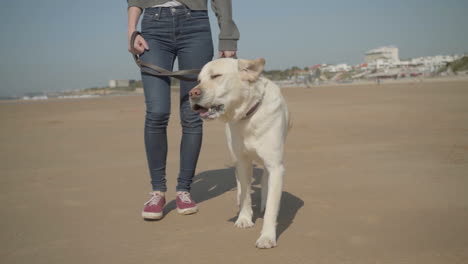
pixel 225 84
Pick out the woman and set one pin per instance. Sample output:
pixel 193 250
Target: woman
pixel 173 29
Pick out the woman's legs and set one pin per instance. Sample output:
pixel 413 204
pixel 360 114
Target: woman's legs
pixel 170 34
pixel 195 49
pixel 157 95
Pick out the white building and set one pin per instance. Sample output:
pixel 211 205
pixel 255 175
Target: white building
pixel 336 68
pixel 119 83
pixel 387 53
pixel 383 64
pixel 433 60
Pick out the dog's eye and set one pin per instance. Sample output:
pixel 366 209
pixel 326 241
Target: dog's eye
pixel 215 76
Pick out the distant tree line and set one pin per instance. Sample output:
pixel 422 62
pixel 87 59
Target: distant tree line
pixel 277 75
pixel 456 65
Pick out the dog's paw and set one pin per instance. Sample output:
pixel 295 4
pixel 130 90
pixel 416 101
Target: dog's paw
pixel 243 222
pixel 266 242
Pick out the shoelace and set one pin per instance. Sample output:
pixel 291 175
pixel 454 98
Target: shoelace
pixel 154 200
pixel 185 197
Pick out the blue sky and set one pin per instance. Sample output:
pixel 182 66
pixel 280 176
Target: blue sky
pixel 53 45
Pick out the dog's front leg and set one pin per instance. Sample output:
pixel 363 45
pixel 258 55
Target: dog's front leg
pixel 264 191
pixel 238 191
pixel 244 179
pixel 275 185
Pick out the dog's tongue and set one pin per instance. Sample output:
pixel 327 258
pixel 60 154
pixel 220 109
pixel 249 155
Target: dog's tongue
pixel 205 114
pixel 203 111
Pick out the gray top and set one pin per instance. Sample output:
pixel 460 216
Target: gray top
pixel 228 35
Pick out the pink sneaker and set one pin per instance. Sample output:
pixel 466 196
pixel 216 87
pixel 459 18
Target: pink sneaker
pixel 185 204
pixel 153 209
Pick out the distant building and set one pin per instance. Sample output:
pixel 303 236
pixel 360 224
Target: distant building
pixel 387 53
pixel 336 68
pixel 433 60
pixel 317 66
pixel 120 83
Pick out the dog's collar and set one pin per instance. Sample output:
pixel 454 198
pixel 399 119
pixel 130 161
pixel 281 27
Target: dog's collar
pixel 252 110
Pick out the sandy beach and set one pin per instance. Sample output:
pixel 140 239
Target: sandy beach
pixel 374 174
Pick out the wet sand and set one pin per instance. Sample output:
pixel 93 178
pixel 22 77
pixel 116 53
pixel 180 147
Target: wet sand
pixel 374 174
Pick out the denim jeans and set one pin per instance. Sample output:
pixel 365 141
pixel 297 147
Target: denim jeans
pixel 170 33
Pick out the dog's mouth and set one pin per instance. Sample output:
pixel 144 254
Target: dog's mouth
pixel 209 112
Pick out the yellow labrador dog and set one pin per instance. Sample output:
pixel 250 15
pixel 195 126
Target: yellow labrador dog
pixel 257 120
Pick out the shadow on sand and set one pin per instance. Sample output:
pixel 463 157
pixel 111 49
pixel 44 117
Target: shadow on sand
pixel 210 184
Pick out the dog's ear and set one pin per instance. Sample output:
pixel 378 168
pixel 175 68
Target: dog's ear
pixel 250 70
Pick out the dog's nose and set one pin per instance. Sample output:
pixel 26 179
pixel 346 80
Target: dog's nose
pixel 195 92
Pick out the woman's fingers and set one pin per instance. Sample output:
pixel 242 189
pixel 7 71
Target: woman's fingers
pixel 145 45
pixel 227 54
pixel 139 49
pixel 139 46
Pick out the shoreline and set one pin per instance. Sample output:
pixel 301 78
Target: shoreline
pixel 292 86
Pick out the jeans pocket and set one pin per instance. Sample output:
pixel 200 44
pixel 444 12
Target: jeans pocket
pixel 147 18
pixel 151 14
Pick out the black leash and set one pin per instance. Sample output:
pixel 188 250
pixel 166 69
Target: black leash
pixel 156 70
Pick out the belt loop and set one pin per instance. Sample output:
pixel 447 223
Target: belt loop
pixel 157 16
pixel 186 10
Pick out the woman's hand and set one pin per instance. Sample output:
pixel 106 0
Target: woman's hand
pixel 139 46
pixel 227 53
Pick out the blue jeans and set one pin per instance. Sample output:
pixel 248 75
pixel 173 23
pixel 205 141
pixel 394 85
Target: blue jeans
pixel 170 33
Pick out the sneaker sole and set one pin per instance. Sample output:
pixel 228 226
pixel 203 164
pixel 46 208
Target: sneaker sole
pixel 151 216
pixel 187 211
